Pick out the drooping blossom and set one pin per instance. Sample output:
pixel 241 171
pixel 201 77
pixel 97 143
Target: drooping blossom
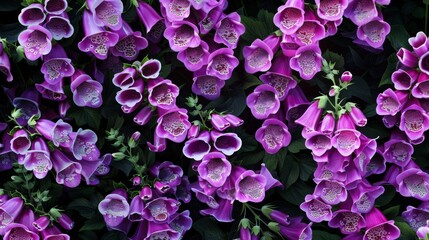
pixel 173 125
pixel 307 61
pixel 273 135
pixel 59 26
pixel 263 101
pixel 130 43
pixel 36 41
pixel 182 35
pixel 86 92
pixel 114 207
pixel 290 16
pixel 229 29
pixel 55 7
pixel 258 56
pixel 106 13
pixel 33 14
pixel 68 171
pixel 214 168
pixel 221 63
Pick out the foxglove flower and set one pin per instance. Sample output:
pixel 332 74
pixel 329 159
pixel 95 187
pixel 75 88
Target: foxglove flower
pixel 315 209
pixel 346 139
pixel 38 158
pixel 36 41
pixel 424 63
pixel 347 221
pixel 218 122
pixel 407 58
pixel 250 187
pixel 29 106
pixel 9 211
pixel 379 227
pixel 136 209
pixel 318 143
pixel 297 230
pixel 52 92
pixel 41 223
pixel 398 151
pixel 210 19
pixel 203 196
pixel 413 182
pixel 361 11
pixel 221 63
pixel 176 10
pixel 195 58
pixel 131 98
pixel 227 143
pixel 152 21
pixel 423 232
pixel 130 43
pixel 309 33
pixel 414 121
pixel 150 69
pixel 160 209
pixel 421 89
pixel 198 147
pixel 279 77
pixel 233 120
pixel 374 32
pixel 97 40
pixel 159 144
pixel 417 217
pixel 114 208
pixel 19 231
pixel 331 192
pixel 59 26
pixel 311 117
pixel 163 93
pixel 358 117
pixel 159 231
pixel 125 78
pixel 258 56
pixel 228 30
pixel 307 61
pixel 5 64
pixel 181 222
pixel 106 13
pixel 419 43
pixel 273 135
pixel 214 168
pixel 20 143
pixel 32 15
pixel 173 125
pixel 92 169
pixel 390 102
pixel 83 146
pixel 207 86
pixel 143 116
pixel 62 133
pixel 290 16
pixel 53 233
pixel 55 7
pixel 182 35
pixel 223 213
pixel 263 101
pixel 331 10
pixel 167 173
pixel 404 80
pixel 68 172
pixel 56 65
pixel 363 197
pixel 86 92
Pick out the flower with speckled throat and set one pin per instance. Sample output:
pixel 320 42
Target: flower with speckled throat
pixel 221 63
pixel 56 65
pixel 331 10
pixel 207 86
pixel 315 209
pixel 250 187
pixel 378 227
pixel 167 173
pixel 68 171
pixel 36 41
pixel 173 125
pixel 390 102
pixel 214 168
pixel 263 101
pixel 290 16
pixel 417 217
pixel 228 30
pixel 106 13
pixel 374 32
pixel 159 210
pixel 86 92
pixel 114 207
pixel 9 211
pixel 258 56
pixel 38 158
pixel 414 120
pixel 346 139
pixel 130 43
pixel 182 35
pixel 363 196
pixel 413 182
pixel 162 93
pixel 398 150
pixel 361 11
pixel 19 231
pixel 195 58
pixel 273 135
pixel 347 221
pixel 307 61
pixel 84 145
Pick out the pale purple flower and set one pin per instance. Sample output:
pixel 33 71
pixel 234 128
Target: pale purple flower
pixel 207 86
pixel 5 64
pixel 36 41
pixel 195 58
pixel 106 13
pixel 55 7
pixel 363 197
pixel 273 135
pixel 221 63
pixel 19 231
pixel 162 93
pixel 346 139
pixel 309 33
pixel 126 78
pixel 84 145
pixel 198 147
pixel 258 56
pixel 413 182
pixel 423 232
pixel 9 211
pixel 181 222
pixel 56 65
pixel 214 168
pixel 307 61
pixel 86 92
pixel 290 16
pixel 38 159
pixel 228 30
pixel 218 122
pixel 210 19
pixel 330 191
pixel 331 10
pixel 173 125
pixel 160 209
pixel 347 221
pixel 361 11
pixel 130 43
pixel 421 88
pixel 315 209
pixel 227 143
pixel 374 32
pixel 250 187
pixel 379 227
pixel 398 150
pixel 407 58
pixel 176 10
pixel 33 14
pixel 414 121
pixel 68 171
pixel 52 92
pixel 419 43
pixel 53 233
pixel 21 142
pixel 404 79
pixel 114 207
pixel 223 213
pixel 263 101
pixel 416 217
pixel 318 143
pixel 150 69
pixel 182 35
pixel 96 40
pixel 390 102
pixel 59 26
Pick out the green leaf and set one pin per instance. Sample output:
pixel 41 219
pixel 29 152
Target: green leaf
pixel 398 36
pixel 391 212
pixel 359 89
pixel 209 229
pixel 407 233
pixel 322 235
pixel 386 197
pixel 296 145
pixel 289 173
pixel 6 6
pixel 88 235
pixel 334 58
pixel 95 223
pixel 234 102
pixel 258 28
pixel 87 116
pixel 295 194
pixel 392 61
pixel 272 160
pixel 114 235
pixel 250 81
pixel 83 206
pixel 124 166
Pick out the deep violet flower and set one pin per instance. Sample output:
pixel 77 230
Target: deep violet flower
pixel 19 231
pixel 398 150
pixel 214 168
pixel 9 211
pixel 404 80
pixel 258 56
pixel 160 210
pixel 59 26
pixel 195 58
pixel 374 32
pixel 263 101
pixel 182 35
pixel 290 16
pixel 229 29
pixel 143 116
pixel 307 61
pixel 417 217
pixel 363 197
pixel 379 227
pixel 150 69
pixel 210 18
pixel 125 78
pixel 56 65
pixel 33 14
pixel 227 143
pixel 223 213
pixel 414 120
pixel 20 143
pixel 53 233
pixel 83 146
pixel 167 173
pixel 52 92
pixel 173 125
pixel 86 92
pixel 207 86
pixel 331 10
pixel 250 187
pixel 5 64
pixel 413 182
pixel 130 43
pixel 221 63
pixel 97 40
pixel 181 222
pixel 419 43
pixel 347 221
pixel 176 10
pixel 273 135
pixel 55 7
pixel 162 93
pixel 38 159
pixel 106 13
pixel 114 208
pixel 361 11
pixel 36 41
pixel 68 171
pixel 198 147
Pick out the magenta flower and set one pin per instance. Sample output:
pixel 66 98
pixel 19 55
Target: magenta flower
pixel 421 88
pixel 97 40
pixel 346 139
pixel 363 197
pixel 258 56
pixel 331 192
pixel 38 159
pixel 181 222
pixel 125 78
pixel 307 61
pixel 198 147
pixel 19 231
pixel 404 80
pixel 86 92
pixel 361 11
pixel 374 32
pixel 331 10
pixel 228 30
pixel 223 213
pixel 148 15
pixel 221 63
pixel 59 26
pixel 130 43
pixel 167 173
pixel 311 117
pixel 9 211
pixel 36 41
pixel 273 135
pixel 56 65
pixel 162 93
pixel 414 121
pixel 407 58
pixel 316 210
pixel 218 122
pixel 250 187
pixel 106 13
pixel 347 221
pixel 53 233
pixel 114 208
pixel 55 7
pixel 150 69
pixel 68 171
pixel 413 182
pixel 227 143
pixel 176 10
pixel 390 102
pixel 160 209
pixel 309 33
pixel 263 101
pixel 83 146
pixel 398 151
pixel 424 63
pixel 379 227
pixel 33 14
pixel 318 143
pixel 159 144
pixel 207 86
pixel 297 230
pixel 195 58
pixel 143 116
pixel 52 92
pixel 416 217
pixel 182 35
pixel 173 125
pixel 210 19
pixel 290 16
pixel 5 64
pixel 419 43
pixel 214 168
pixel 20 143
